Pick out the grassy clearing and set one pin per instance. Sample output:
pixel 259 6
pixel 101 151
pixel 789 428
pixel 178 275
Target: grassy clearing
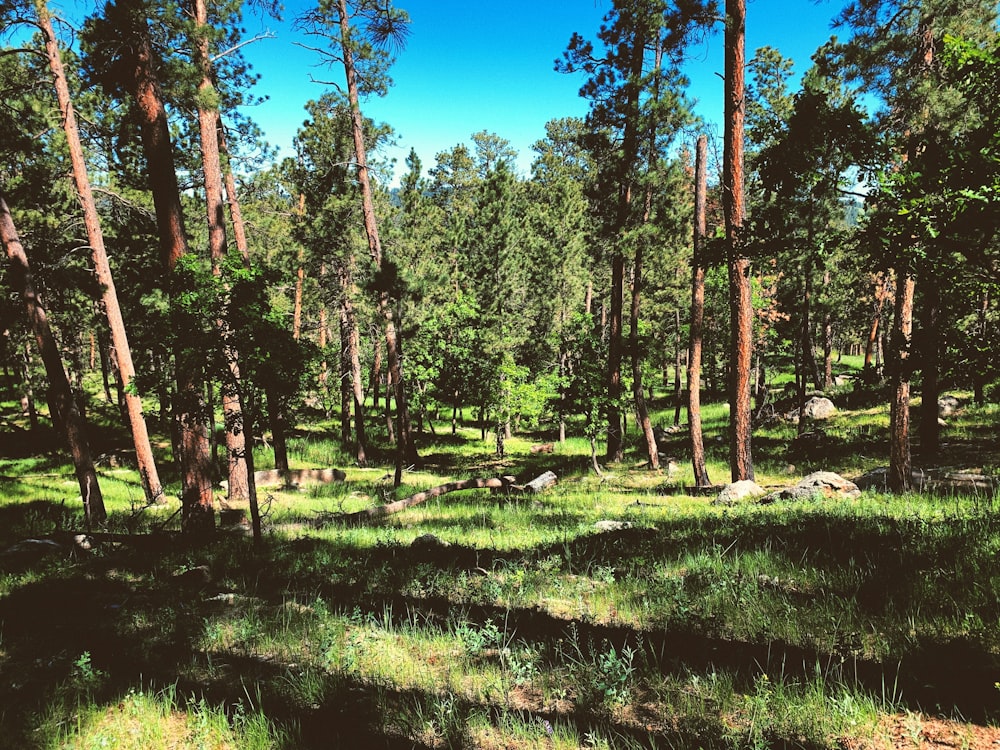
pixel 521 626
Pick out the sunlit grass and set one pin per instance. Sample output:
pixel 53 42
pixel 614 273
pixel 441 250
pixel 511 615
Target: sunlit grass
pixel 520 624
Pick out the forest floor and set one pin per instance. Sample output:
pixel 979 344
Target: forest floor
pixel 512 621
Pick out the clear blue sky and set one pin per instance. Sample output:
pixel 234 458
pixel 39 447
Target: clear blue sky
pixel 472 65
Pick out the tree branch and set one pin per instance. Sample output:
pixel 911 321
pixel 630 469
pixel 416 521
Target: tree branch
pixel 266 35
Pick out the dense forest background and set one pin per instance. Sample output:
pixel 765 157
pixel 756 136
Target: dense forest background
pixel 152 235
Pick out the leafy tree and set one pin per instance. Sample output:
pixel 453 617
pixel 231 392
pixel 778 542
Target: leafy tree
pixel 893 53
pixel 628 87
pixel 122 55
pixel 109 297
pixel 359 35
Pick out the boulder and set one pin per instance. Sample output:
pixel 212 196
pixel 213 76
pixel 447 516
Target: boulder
pixel 819 485
pixel 737 491
pixel 612 525
pixel 792 495
pixel 830 484
pixel 819 407
pixel 948 405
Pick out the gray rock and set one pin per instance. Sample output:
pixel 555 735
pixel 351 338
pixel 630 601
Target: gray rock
pixel 830 484
pixel 819 407
pixel 737 491
pixel 948 404
pixel 793 494
pixel 612 525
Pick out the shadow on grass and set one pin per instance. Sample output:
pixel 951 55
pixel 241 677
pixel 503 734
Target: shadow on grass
pixel 141 624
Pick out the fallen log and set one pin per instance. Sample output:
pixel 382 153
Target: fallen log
pixel 380 511
pixel 541 482
pixel 294 477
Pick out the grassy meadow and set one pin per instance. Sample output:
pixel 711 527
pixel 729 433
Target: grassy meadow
pixel 847 623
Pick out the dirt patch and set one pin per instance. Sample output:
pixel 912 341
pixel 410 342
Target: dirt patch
pixel 914 731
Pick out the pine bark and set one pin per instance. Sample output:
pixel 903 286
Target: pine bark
pixel 900 477
pixel 740 302
pixel 697 319
pixel 61 398
pixel 148 473
pixel 930 343
pixel 630 149
pixel 641 411
pixel 407 451
pixel 208 131
pixel 195 462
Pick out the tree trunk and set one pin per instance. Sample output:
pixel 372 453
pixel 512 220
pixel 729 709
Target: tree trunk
pixel 809 366
pixel 615 450
pixel 252 412
pixel 208 130
pixel 323 338
pixel 641 412
pixel 930 343
pixel 697 319
pixel 148 473
pixel 376 373
pixel 404 438
pixel 740 302
pixel 196 479
pixel 61 394
pixel 900 477
pixel 827 337
pixel 630 150
pixel 344 360
pixel 978 379
pixel 807 363
pixel 357 385
pixel 29 391
pixel 300 277
pixel 104 359
pixel 279 430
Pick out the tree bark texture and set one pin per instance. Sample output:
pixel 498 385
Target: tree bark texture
pixel 195 462
pixel 404 438
pixel 641 412
pixel 61 394
pixel 900 477
pixel 148 473
pixel 740 301
pixel 615 450
pixel 357 385
pixel 930 362
pixel 215 206
pixel 697 318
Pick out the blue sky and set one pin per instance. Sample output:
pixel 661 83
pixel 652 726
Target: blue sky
pixel 472 65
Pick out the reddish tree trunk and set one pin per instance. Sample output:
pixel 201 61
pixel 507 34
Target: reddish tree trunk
pixel 697 319
pixel 406 448
pixel 148 474
pixel 900 477
pixel 740 302
pixel 196 471
pixel 229 392
pixel 61 398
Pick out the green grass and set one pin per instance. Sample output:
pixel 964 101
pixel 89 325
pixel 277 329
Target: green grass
pixel 789 624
